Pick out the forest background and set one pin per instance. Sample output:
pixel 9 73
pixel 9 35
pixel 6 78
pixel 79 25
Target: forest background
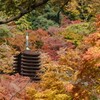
pixel 67 33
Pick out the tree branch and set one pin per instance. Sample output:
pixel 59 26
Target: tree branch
pixel 58 14
pixel 24 11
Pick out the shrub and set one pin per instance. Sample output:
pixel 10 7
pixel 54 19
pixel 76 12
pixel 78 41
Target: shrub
pixel 23 23
pixel 72 37
pixel 90 66
pixel 82 28
pixel 43 19
pixel 51 86
pixel 75 32
pixel 4 33
pixel 6 58
pixel 42 22
pixel 91 57
pixel 18 42
pixel 55 30
pixel 85 62
pixel 52 45
pixel 35 41
pixel 98 22
pixel 38 44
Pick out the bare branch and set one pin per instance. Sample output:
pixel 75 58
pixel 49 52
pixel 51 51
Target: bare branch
pixel 58 14
pixel 25 11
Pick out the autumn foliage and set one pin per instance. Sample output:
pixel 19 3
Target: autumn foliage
pixel 68 71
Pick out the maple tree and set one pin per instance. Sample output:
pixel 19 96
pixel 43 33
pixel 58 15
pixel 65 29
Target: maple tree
pixel 20 8
pixel 70 62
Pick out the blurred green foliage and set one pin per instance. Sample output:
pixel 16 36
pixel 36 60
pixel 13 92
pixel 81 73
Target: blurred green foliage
pixel 23 23
pixel 4 33
pixel 38 44
pixel 76 32
pixel 76 39
pixel 93 97
pixel 82 28
pixel 43 19
pixel 80 9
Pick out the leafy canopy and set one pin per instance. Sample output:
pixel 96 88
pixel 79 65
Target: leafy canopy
pixel 15 9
